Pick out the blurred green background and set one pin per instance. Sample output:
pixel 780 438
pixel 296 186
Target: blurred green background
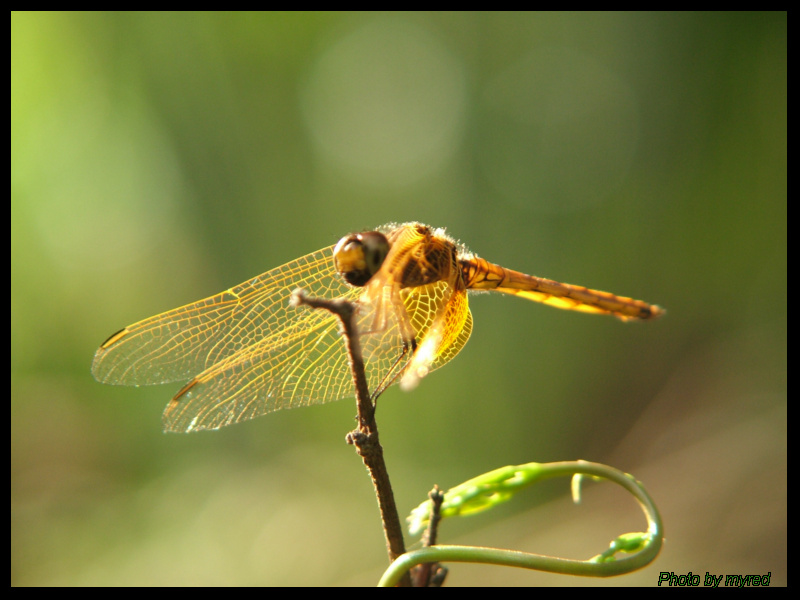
pixel 160 158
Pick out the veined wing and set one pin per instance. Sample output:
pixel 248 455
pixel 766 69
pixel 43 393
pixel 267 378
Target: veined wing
pixel 182 343
pixel 447 329
pixel 306 363
pixel 246 352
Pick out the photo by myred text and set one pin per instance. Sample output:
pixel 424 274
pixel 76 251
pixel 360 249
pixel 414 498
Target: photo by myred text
pixel 693 580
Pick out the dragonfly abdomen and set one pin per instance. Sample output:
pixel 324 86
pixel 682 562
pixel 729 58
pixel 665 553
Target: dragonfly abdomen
pixel 480 274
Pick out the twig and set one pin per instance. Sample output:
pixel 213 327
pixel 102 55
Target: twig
pixel 365 436
pixel 431 574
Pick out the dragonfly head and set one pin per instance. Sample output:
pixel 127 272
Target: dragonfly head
pixel 359 256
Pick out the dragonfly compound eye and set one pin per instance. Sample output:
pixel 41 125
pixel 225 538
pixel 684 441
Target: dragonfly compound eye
pixel 359 256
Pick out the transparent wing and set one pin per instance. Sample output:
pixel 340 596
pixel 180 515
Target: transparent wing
pixel 179 344
pixel 301 365
pixel 247 352
pixel 443 317
pixel 251 352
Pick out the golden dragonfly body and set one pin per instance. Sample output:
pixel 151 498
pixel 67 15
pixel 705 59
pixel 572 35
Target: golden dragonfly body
pixel 246 352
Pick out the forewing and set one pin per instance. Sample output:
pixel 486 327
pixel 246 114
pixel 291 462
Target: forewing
pixel 182 343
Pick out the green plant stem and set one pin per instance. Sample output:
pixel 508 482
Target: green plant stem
pixel 598 566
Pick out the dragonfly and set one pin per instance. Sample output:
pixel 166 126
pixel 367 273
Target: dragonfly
pixel 248 351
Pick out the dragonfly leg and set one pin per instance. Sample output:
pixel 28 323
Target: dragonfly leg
pixel 393 373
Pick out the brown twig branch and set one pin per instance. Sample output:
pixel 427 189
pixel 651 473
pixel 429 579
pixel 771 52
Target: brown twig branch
pixel 365 436
pixel 431 574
